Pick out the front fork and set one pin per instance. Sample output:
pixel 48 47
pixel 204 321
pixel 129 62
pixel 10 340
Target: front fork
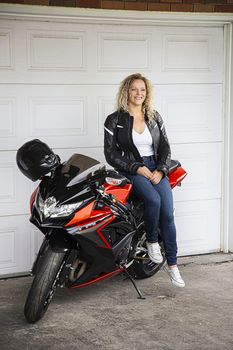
pixel 58 242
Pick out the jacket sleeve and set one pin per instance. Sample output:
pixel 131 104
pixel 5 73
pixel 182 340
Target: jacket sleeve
pixel 113 154
pixel 164 150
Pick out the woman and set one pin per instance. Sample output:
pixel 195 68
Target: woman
pixel 136 145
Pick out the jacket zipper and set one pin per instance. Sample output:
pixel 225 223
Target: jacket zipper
pixel 134 148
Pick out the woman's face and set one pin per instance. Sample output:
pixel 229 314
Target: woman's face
pixel 137 93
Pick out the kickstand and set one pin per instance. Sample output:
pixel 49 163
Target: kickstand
pixel 134 284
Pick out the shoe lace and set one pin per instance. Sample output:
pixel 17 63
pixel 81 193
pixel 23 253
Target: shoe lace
pixel 177 276
pixel 174 272
pixel 155 248
pixel 177 273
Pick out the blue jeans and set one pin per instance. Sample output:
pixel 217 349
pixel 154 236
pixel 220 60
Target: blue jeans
pixel 158 209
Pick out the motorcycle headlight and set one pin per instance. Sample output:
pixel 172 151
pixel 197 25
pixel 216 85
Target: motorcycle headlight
pixel 50 208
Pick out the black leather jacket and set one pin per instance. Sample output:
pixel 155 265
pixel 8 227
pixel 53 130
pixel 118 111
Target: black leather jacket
pixel 119 149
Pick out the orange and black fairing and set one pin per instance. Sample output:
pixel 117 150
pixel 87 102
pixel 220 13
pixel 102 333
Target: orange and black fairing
pixel 93 218
pixel 90 228
pixel 120 193
pixel 88 221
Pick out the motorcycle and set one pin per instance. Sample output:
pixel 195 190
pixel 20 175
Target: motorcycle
pixel 91 220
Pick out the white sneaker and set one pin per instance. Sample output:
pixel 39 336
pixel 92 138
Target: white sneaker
pixel 154 252
pixel 175 276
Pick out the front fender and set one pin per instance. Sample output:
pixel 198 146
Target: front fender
pixel 58 241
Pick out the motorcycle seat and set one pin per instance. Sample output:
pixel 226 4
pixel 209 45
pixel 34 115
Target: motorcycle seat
pixel 174 165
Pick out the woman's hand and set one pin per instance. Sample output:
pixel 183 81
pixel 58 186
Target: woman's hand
pixel 156 177
pixel 144 171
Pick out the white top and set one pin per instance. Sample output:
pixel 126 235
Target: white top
pixel 143 142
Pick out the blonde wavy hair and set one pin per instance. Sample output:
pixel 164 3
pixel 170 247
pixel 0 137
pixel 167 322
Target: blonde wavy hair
pixel 123 94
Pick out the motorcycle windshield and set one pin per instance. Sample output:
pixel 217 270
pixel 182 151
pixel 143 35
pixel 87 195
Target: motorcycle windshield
pixel 70 181
pixel 79 168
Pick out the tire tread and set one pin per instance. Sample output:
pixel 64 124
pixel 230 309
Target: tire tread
pixel 34 307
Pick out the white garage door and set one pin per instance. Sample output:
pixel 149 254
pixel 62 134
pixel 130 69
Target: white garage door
pixel 58 83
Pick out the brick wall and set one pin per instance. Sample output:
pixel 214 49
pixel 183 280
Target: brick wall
pixel 140 5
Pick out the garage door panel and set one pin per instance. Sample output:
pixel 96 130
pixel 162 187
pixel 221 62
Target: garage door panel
pixel 192 113
pixel 51 50
pixel 14 117
pixel 8 120
pixel 124 51
pixel 14 187
pixel 179 50
pixel 93 152
pixel 175 49
pixel 58 116
pixel 194 221
pixel 6 48
pixel 164 54
pixel 15 246
pixel 203 165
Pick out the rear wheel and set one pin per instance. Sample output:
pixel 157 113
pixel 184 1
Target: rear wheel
pixel 44 285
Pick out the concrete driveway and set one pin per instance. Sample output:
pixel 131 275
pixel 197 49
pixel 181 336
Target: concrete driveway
pixel 108 315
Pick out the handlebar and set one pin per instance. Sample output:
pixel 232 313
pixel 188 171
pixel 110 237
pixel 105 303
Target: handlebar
pixel 113 203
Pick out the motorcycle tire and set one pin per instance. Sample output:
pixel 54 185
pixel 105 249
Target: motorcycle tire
pixel 43 285
pixel 141 269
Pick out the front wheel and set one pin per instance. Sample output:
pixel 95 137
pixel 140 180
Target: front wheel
pixel 43 286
